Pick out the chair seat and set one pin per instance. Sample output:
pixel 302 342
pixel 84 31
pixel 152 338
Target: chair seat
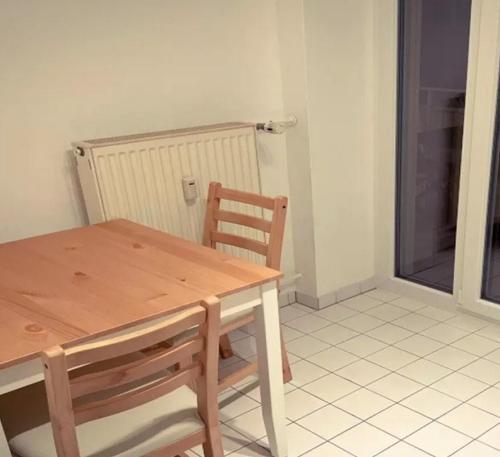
pixel 33 398
pixel 131 433
pixel 233 317
pixel 247 299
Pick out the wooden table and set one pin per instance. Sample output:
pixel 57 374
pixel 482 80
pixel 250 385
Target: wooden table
pixel 72 286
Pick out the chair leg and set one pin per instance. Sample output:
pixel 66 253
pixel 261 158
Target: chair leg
pixel 251 368
pixel 225 348
pixel 287 372
pixel 213 446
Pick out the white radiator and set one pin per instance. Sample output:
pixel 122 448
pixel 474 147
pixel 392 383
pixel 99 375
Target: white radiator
pixel 139 177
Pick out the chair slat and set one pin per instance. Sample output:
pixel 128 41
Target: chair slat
pixel 122 402
pixel 275 228
pixel 135 341
pixel 235 240
pixel 243 219
pixel 139 369
pixel 115 378
pixel 245 197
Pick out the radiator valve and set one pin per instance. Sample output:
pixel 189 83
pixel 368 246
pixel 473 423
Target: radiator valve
pixel 277 127
pixel 79 152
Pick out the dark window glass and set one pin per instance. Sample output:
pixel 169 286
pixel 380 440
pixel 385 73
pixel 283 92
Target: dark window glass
pixel 433 52
pixel 491 272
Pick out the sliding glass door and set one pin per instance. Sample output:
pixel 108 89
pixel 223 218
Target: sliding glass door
pixel 491 269
pixel 446 226
pixel 437 144
pixel 432 80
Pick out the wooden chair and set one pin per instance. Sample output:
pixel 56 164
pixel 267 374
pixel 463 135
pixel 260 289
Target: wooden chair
pixel 274 229
pixel 141 408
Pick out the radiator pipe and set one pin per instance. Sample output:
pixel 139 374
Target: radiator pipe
pixel 277 127
pixel 79 151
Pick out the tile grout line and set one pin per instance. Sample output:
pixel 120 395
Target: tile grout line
pixel 391 371
pixel 394 372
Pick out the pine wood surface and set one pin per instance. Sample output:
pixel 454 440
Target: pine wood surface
pixel 69 287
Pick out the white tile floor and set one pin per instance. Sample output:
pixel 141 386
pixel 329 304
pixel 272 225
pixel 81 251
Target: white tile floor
pixel 376 375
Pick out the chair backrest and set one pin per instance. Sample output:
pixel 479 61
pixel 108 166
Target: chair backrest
pixel 274 228
pixel 63 388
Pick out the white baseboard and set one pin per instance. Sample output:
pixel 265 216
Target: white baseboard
pixel 306 300
pixel 420 293
pixel 399 286
pixel 338 295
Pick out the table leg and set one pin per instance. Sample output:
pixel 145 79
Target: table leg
pixel 4 447
pixel 267 326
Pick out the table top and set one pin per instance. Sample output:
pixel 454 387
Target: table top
pixel 68 287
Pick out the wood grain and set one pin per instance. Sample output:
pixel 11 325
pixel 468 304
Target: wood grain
pixel 65 415
pixel 272 252
pixel 134 340
pixel 69 287
pixel 243 219
pixel 245 197
pixel 235 240
pixel 118 403
pixel 117 376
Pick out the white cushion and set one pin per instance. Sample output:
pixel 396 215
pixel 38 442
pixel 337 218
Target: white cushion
pixel 131 433
pixel 232 317
pixel 233 307
pixel 238 305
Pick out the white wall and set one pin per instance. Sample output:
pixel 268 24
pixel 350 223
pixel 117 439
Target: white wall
pixel 385 19
pixel 294 79
pixel 327 55
pixel 338 38
pixel 74 70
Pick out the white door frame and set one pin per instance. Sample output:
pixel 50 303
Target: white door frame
pixel 479 159
pixel 482 80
